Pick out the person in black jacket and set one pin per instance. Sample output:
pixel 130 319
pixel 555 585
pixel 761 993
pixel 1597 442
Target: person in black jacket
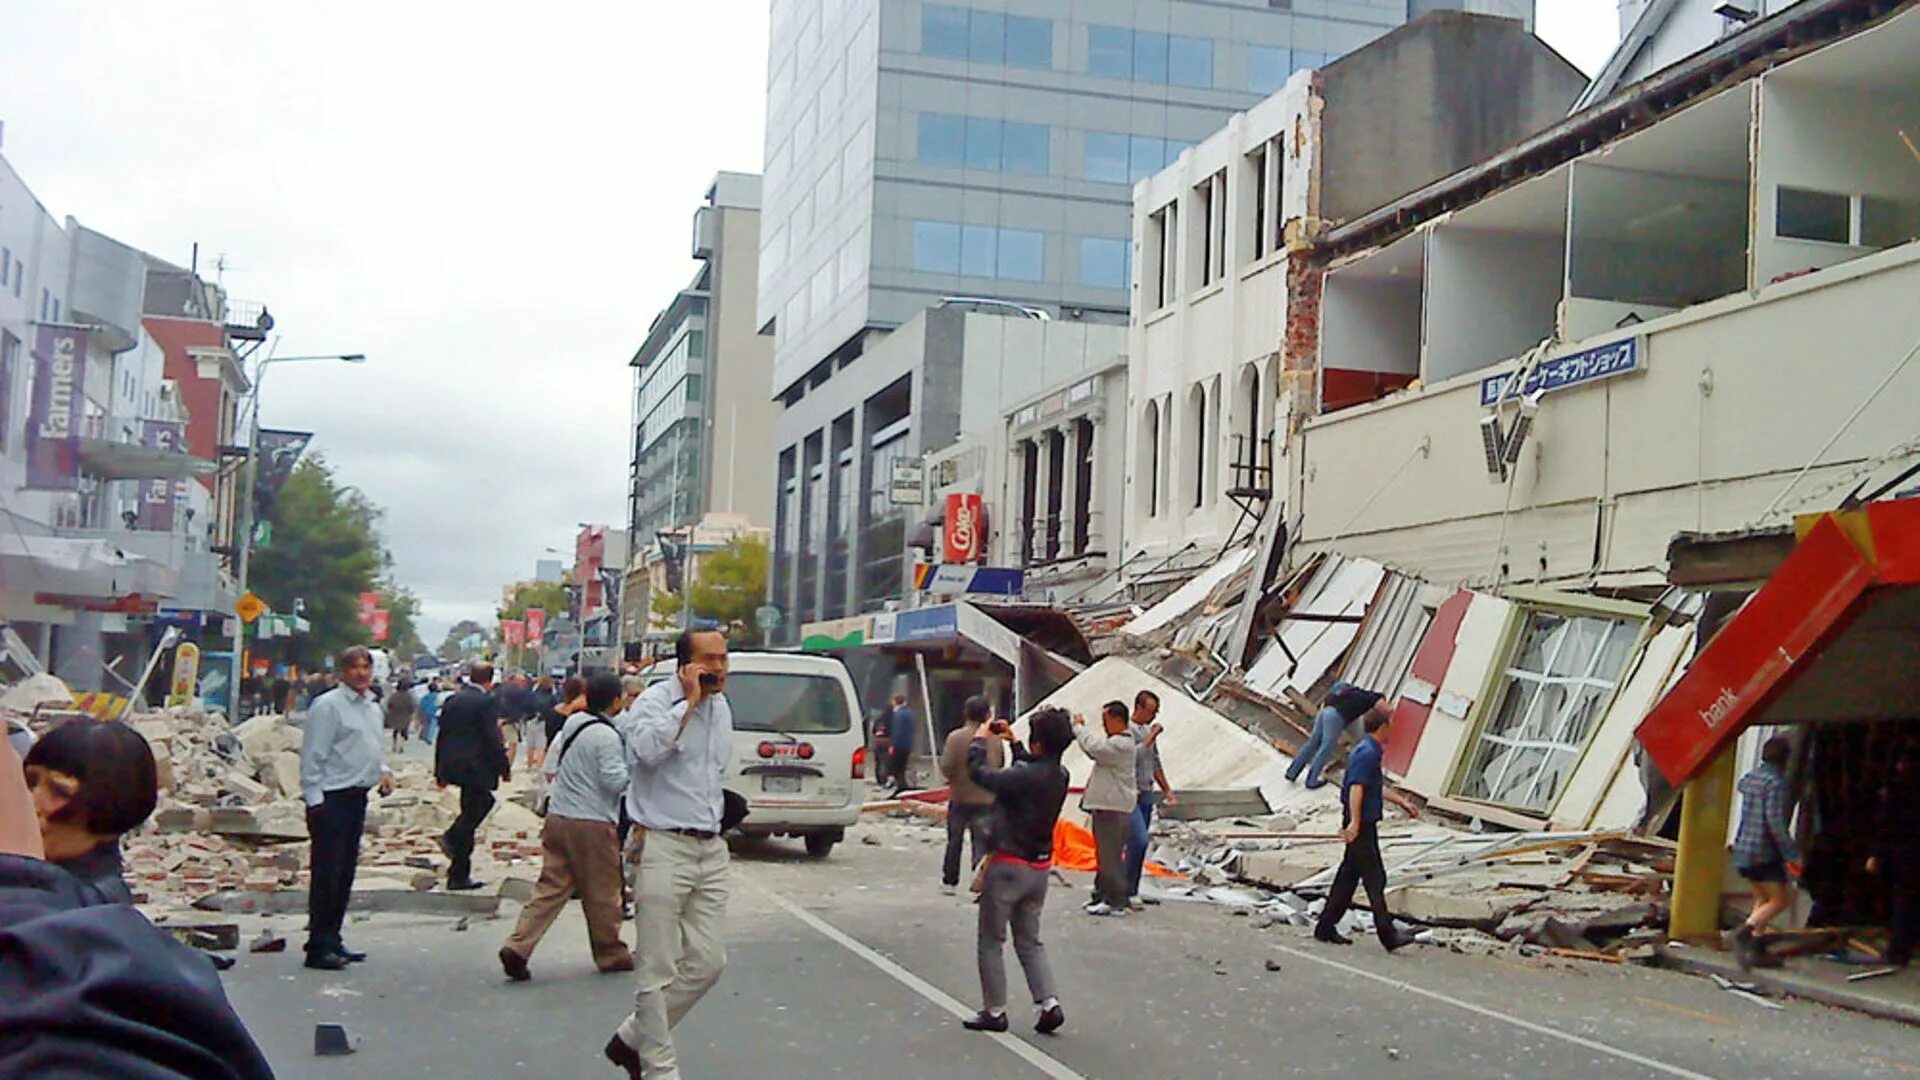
pixel 1027 798
pixel 470 755
pixel 92 782
pixel 92 989
pixel 1896 856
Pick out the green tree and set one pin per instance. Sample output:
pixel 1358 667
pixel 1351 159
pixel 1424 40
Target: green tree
pixel 548 596
pixel 451 648
pixel 730 586
pixel 325 552
pixel 403 613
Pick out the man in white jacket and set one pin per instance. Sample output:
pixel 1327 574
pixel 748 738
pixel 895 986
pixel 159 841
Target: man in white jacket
pixel 1109 799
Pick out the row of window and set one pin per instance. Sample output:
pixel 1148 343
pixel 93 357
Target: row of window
pixel 12 271
pixel 1118 52
pixel 986 37
pixel 945 247
pixel 975 142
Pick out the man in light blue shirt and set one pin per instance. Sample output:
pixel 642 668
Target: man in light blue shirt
pixel 679 738
pixel 342 757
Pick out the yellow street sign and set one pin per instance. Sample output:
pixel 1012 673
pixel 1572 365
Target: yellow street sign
pixel 250 608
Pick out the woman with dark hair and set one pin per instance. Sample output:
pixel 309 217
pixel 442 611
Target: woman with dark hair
pixel 572 699
pixel 91 783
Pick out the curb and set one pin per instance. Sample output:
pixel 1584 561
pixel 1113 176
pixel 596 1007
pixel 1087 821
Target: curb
pixel 1788 985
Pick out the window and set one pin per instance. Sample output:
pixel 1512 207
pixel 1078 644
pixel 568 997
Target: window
pixel 1557 684
pixel 941 247
pixel 9 355
pixel 1800 214
pixel 1210 214
pixel 56 309
pixel 1103 262
pixel 1029 42
pixel 1886 223
pixel 19 276
pixel 1110 52
pixel 985 37
pixel 821 291
pixel 788 704
pixel 1268 68
pixel 1190 62
pixel 983 143
pixel 1309 61
pixel 1162 238
pixel 1023 255
pixel 980 143
pixel 936 247
pixel 46 301
pixel 1145 56
pixel 1257 175
pixel 943 31
pixel 6 264
pixel 1106 158
pixel 943 139
pixel 1026 148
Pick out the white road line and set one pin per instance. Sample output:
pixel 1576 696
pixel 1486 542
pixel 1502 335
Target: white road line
pixel 1047 1065
pixel 1494 1014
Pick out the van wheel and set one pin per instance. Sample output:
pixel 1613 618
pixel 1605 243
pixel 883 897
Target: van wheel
pixel 818 844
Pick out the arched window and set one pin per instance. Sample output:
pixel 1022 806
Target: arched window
pixel 1246 449
pixel 1196 445
pixel 1148 473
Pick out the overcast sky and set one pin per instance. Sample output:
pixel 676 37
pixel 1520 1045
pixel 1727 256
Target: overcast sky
pixel 491 209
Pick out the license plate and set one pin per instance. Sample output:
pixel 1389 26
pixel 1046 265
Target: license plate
pixel 780 785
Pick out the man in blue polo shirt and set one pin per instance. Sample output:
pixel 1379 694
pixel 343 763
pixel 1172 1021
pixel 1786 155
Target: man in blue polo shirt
pixel 1362 793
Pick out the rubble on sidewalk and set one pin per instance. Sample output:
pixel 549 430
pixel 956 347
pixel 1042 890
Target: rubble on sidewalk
pixel 230 829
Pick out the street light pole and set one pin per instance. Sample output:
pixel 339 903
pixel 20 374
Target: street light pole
pixel 243 538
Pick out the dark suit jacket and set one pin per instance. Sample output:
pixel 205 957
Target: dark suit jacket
pixel 469 751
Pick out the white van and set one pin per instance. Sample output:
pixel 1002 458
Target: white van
pixel 799 755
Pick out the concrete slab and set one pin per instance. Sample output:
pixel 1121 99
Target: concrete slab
pixel 385 901
pixel 1893 997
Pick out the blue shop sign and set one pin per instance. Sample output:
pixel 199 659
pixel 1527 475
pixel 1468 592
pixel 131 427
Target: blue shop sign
pixel 927 624
pixel 1588 365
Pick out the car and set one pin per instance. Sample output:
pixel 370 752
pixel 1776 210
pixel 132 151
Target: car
pixel 799 756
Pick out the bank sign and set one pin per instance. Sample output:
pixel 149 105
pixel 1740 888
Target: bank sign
pixel 54 416
pixel 1589 365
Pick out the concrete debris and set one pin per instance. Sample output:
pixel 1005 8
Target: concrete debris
pixel 267 942
pixel 230 831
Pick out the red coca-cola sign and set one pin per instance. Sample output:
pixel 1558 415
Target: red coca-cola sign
pixel 964 537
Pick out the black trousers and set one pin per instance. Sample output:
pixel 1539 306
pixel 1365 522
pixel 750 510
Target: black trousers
pixel 1902 876
pixel 964 821
pixel 475 803
pixel 897 762
pixel 1362 865
pixel 334 826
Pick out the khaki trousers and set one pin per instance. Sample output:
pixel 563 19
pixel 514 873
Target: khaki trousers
pixel 583 856
pixel 680 902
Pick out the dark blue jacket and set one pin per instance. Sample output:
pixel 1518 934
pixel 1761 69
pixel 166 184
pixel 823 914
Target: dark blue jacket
pixel 93 990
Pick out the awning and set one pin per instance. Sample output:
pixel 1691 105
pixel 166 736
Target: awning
pixel 1831 636
pixel 111 460
pixel 81 567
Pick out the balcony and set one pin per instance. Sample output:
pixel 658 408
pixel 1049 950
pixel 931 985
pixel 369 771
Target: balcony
pixel 248 320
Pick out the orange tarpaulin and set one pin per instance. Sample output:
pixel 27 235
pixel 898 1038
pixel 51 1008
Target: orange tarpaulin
pixel 1073 850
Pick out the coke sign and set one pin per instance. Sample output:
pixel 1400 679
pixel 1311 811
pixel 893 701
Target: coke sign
pixel 964 535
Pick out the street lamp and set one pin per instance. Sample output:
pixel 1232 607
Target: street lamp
pixel 243 539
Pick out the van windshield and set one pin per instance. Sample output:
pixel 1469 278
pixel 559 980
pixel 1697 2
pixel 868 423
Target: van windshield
pixel 788 704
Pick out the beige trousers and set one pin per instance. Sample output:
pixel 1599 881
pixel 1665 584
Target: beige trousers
pixel 680 902
pixel 583 856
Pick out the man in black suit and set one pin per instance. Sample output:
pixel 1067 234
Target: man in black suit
pixel 471 755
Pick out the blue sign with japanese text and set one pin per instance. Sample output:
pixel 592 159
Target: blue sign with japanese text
pixel 1588 365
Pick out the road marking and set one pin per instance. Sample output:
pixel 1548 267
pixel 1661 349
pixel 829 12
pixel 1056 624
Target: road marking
pixel 1033 1056
pixel 1495 1014
pixel 1694 1014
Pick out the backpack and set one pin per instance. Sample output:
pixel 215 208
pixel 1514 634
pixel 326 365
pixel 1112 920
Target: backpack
pixel 540 807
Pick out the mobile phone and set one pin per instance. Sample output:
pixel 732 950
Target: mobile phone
pixel 709 681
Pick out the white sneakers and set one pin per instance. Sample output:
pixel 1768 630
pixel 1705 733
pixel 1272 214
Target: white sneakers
pixel 1100 909
pixel 949 890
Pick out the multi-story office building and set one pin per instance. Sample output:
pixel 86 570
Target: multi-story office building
pixel 921 151
pixel 702 421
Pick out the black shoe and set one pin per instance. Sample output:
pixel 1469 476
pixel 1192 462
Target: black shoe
pixel 330 961
pixel 465 886
pixel 986 1021
pixel 625 1056
pixel 1050 1020
pixel 350 956
pixel 1332 937
pixel 514 965
pixel 1399 940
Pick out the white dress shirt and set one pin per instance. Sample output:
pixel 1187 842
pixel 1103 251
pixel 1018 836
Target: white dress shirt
pixel 345 744
pixel 676 775
pixel 589 781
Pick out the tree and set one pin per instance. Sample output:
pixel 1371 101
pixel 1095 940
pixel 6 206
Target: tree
pixel 548 596
pixel 325 552
pixel 731 585
pixel 452 648
pixel 403 611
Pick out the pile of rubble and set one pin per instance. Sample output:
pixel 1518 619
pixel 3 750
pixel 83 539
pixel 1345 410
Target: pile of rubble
pixel 231 819
pixel 1599 896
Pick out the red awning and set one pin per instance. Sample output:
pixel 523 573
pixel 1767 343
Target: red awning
pixel 1831 636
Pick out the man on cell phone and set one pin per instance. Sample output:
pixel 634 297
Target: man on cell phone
pixel 679 737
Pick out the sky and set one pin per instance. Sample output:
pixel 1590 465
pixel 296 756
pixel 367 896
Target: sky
pixel 492 209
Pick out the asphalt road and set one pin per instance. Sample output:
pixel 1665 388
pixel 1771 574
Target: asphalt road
pixel 858 967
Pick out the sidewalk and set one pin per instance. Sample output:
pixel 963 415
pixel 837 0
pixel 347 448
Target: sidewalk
pixel 1811 978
